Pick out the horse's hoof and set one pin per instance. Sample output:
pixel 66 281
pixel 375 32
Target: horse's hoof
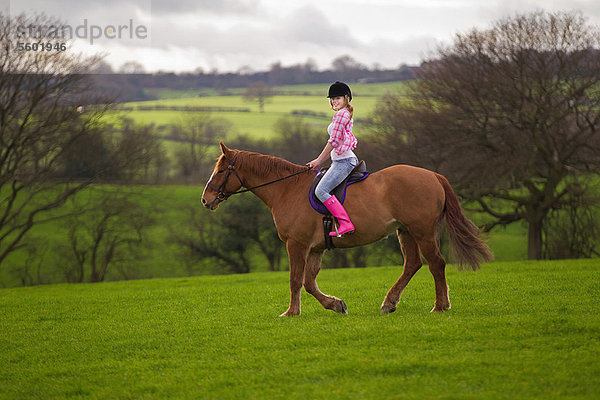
pixel 341 307
pixel 440 309
pixel 387 309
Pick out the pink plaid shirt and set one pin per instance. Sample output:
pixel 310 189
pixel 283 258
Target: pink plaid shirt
pixel 340 132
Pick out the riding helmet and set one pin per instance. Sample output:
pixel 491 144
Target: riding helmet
pixel 339 89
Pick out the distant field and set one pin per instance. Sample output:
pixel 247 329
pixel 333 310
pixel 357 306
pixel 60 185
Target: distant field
pixel 519 330
pixel 254 123
pixel 297 99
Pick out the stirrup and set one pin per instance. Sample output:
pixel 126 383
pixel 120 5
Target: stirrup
pixel 337 232
pixel 335 229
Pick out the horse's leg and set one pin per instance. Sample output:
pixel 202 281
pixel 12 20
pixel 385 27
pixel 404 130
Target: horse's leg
pixel 437 266
pixel 412 263
pixel 297 254
pixel 313 266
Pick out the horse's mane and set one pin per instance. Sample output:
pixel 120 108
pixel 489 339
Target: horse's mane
pixel 265 165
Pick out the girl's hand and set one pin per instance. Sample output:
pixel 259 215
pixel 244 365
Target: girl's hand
pixel 322 157
pixel 314 163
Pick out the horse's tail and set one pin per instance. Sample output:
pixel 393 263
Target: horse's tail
pixel 465 243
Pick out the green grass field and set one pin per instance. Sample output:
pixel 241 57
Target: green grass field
pixel 254 123
pixel 516 330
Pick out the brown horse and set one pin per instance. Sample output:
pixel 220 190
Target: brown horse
pixel 407 199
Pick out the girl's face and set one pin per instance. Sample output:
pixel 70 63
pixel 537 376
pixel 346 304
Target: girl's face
pixel 337 103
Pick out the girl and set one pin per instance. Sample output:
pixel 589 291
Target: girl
pixel 343 160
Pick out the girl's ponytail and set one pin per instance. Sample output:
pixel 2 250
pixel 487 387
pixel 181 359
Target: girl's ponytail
pixel 349 106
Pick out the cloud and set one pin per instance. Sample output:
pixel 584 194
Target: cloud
pixel 258 42
pixel 87 8
pixel 301 33
pixel 391 53
pixel 213 7
pixel 229 34
pixel 309 25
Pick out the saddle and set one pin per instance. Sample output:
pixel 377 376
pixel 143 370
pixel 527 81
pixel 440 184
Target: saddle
pixel 358 174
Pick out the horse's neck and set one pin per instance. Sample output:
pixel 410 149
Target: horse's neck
pixel 271 192
pixel 266 194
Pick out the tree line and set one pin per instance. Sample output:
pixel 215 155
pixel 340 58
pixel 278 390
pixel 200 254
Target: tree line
pixel 130 84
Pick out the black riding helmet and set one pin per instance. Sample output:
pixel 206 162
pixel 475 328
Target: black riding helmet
pixel 339 89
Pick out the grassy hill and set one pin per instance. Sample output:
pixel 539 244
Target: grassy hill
pixel 515 330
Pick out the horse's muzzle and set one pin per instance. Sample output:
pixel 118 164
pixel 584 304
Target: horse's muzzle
pixel 211 205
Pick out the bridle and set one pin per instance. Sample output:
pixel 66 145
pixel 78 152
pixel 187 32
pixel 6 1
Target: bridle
pixel 222 195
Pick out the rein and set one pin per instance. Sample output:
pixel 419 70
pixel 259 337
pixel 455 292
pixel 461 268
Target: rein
pixel 222 195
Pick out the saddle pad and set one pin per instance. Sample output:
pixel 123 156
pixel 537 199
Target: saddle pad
pixel 359 173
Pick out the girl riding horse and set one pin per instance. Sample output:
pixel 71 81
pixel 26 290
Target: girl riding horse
pixel 343 160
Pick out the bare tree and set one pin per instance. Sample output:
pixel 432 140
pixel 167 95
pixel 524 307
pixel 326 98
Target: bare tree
pixel 232 239
pixel 574 230
pixel 47 112
pixel 108 231
pixel 296 140
pixel 204 237
pixel 145 160
pixel 346 63
pixel 508 113
pixel 259 92
pixel 30 270
pixel 249 218
pixel 197 132
pixel 39 93
pixel 132 67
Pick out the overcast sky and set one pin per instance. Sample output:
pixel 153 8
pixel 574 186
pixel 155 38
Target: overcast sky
pixel 183 35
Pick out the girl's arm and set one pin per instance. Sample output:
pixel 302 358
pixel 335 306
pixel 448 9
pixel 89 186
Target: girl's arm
pixel 316 163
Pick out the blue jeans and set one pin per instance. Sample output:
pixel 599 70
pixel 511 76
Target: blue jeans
pixel 338 171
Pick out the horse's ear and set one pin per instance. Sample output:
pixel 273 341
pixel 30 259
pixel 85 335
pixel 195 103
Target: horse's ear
pixel 224 149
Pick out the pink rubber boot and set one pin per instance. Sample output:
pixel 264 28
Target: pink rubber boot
pixel 337 210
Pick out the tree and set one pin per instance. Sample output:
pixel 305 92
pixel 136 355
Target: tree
pixel 142 151
pixel 346 63
pixel 132 67
pixel 39 93
pixel 259 92
pixel 574 230
pixel 230 239
pixel 40 125
pixel 296 140
pixel 508 113
pixel 102 67
pixel 105 233
pixel 198 132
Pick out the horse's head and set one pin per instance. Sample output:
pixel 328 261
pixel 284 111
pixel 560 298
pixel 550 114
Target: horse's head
pixel 224 180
